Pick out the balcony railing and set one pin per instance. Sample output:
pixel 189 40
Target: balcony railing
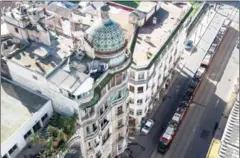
pixel 120 126
pixel 105 140
pixel 93 134
pixel 89 114
pixel 103 112
pixel 105 122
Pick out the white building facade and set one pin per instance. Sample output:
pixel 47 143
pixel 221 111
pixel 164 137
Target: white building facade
pixel 148 82
pixel 16 132
pixel 102 103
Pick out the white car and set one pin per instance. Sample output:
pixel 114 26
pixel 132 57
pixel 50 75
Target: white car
pixel 147 126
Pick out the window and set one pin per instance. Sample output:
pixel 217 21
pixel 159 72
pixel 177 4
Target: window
pixel 44 117
pixel 120 123
pixel 119 110
pixel 113 82
pixel 101 110
pixel 12 149
pixel 139 112
pixel 153 85
pixel 132 74
pixel 16 30
pixel 131 89
pixel 106 106
pixel 35 77
pixel 27 134
pixel 89 144
pixel 141 76
pixel 145 109
pixel 131 100
pixel 87 129
pixel 170 59
pixel 140 89
pixel 118 79
pixel 165 67
pixel 5 156
pixel 131 111
pixel 37 126
pixel 94 127
pixel 119 147
pixel 139 101
pixel 175 53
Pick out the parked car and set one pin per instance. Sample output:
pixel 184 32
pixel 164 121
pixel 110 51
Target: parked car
pixel 186 98
pixel 189 45
pixel 193 84
pixel 206 61
pixel 147 126
pixel 200 71
pixel 212 49
pixel 190 91
pixel 183 104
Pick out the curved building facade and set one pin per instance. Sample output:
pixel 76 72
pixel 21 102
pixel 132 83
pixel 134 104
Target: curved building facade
pixel 104 118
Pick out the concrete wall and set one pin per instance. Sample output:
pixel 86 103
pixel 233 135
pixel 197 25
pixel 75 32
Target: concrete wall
pixel 18 136
pixel 39 37
pixel 21 34
pixel 23 76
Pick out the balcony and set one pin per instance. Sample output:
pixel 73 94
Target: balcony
pixel 93 134
pixel 122 66
pixel 103 112
pixel 89 114
pixel 104 124
pixel 120 126
pixel 106 139
pixel 120 99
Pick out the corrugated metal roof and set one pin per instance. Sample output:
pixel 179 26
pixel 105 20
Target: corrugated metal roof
pixel 230 139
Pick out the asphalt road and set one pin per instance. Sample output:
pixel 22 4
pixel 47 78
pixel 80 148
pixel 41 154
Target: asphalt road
pixel 214 93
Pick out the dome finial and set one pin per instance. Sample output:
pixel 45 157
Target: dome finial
pixel 104 12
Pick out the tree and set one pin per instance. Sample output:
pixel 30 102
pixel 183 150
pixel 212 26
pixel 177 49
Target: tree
pixel 37 138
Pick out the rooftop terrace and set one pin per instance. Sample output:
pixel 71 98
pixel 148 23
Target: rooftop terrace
pixel 151 37
pixel 120 16
pixel 41 58
pixel 17 102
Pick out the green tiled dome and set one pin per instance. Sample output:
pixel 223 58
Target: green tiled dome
pixel 109 36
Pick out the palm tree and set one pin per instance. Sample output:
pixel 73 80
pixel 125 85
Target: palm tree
pixel 37 138
pixel 63 136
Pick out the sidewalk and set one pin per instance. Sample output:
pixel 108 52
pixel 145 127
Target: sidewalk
pixel 199 30
pixel 201 26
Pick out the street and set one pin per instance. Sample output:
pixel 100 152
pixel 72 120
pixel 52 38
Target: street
pixel 194 134
pixel 214 93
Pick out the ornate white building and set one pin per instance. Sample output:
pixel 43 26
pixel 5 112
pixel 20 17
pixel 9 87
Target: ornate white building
pixel 85 73
pixel 159 45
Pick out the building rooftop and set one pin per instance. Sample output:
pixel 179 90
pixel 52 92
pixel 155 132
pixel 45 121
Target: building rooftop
pixel 151 37
pixel 43 59
pixel 230 139
pixel 17 102
pixel 120 16
pixel 74 72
